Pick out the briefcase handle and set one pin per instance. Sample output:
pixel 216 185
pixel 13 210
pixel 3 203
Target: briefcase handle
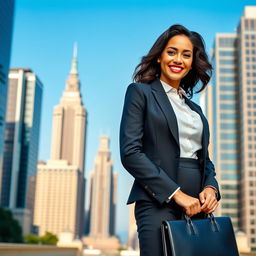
pixel 192 229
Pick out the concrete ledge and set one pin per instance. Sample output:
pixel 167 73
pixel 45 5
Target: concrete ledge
pixel 9 249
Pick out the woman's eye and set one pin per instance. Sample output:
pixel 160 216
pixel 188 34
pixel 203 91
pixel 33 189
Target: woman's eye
pixel 171 52
pixel 187 55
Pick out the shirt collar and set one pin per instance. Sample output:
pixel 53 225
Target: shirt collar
pixel 169 89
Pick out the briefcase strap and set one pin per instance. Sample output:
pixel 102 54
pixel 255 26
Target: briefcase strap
pixel 166 239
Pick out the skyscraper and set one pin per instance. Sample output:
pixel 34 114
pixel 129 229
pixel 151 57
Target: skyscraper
pixel 103 188
pixel 6 27
pixel 21 144
pixel 225 124
pixel 246 66
pixel 60 184
pixel 234 122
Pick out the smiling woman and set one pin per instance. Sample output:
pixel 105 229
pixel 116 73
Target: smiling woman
pixel 176 60
pixel 183 45
pixel 164 137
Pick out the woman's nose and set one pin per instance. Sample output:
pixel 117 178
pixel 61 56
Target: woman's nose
pixel 177 58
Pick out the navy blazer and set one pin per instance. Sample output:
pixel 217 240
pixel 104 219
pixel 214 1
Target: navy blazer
pixel 149 143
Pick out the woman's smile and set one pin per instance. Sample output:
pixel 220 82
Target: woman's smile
pixel 175 69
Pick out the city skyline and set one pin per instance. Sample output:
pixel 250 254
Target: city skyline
pixel 60 183
pixel 109 50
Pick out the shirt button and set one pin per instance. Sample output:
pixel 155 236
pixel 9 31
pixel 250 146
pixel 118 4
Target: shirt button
pixel 153 194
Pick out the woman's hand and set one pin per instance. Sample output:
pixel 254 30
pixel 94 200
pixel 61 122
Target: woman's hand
pixel 208 200
pixel 190 204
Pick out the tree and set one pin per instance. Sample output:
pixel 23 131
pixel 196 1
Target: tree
pixel 32 239
pixel 10 230
pixel 49 238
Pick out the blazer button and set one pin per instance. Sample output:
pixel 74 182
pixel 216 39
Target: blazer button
pixel 146 186
pixel 153 194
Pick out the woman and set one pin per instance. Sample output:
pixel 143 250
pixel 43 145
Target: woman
pixel 164 137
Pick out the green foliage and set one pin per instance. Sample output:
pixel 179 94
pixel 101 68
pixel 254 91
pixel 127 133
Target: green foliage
pixel 122 248
pixel 32 239
pixel 10 230
pixel 48 238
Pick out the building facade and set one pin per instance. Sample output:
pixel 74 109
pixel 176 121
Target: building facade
pixel 21 144
pixel 103 200
pixel 232 104
pixel 225 124
pixel 103 185
pixel 60 183
pixel 246 65
pixel 6 27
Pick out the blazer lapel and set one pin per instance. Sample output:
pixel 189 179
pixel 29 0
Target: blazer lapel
pixel 165 105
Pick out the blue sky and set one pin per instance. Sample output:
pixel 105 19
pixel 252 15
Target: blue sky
pixel 112 36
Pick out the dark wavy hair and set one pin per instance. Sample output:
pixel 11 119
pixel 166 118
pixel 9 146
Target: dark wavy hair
pixel 149 69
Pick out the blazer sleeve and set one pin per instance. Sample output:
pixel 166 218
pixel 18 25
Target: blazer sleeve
pixel 150 176
pixel 210 176
pixel 210 173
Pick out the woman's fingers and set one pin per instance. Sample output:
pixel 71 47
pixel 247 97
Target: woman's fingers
pixel 212 208
pixel 193 207
pixel 209 199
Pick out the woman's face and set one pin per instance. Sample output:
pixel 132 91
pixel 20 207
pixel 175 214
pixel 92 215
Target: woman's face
pixel 176 60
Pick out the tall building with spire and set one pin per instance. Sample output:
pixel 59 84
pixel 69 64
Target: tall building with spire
pixel 102 209
pixel 60 184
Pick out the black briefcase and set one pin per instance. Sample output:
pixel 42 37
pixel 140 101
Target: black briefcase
pixel 213 236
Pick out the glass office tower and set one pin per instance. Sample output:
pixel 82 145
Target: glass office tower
pixel 225 123
pixel 6 27
pixel 21 144
pixel 246 66
pixel 232 104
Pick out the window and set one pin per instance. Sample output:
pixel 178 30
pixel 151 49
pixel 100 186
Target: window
pixel 229 196
pixel 228 206
pixel 226 42
pixel 225 156
pixel 228 136
pixel 227 97
pixel 227 79
pixel 227 53
pixel 228 116
pixel 229 187
pixel 227 62
pixel 228 126
pixel 227 88
pixel 229 167
pixel 228 106
pixel 227 70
